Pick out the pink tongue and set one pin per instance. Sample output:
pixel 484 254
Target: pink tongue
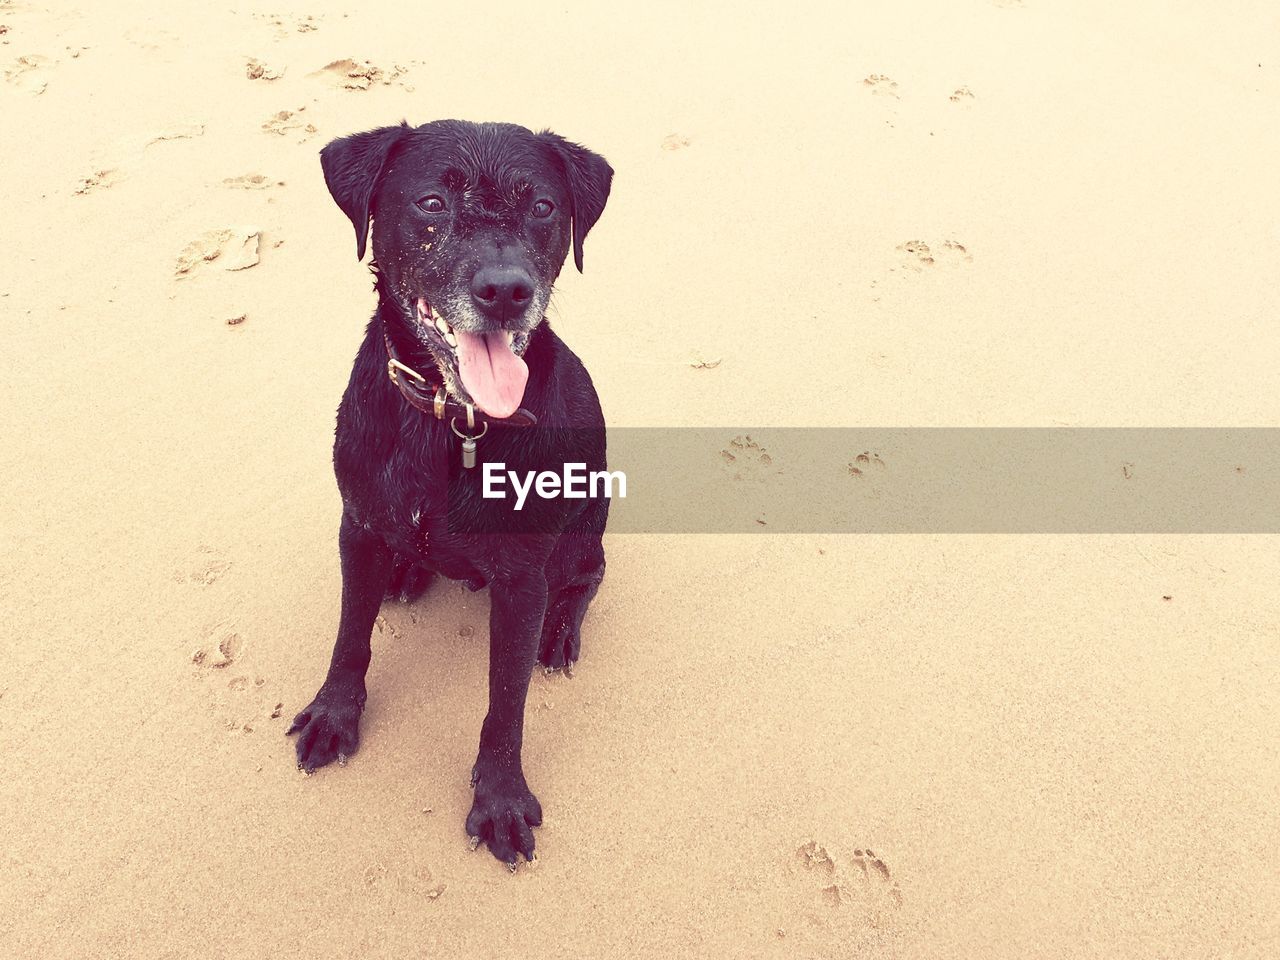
pixel 493 375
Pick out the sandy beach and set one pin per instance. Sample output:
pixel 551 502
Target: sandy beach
pixel 956 214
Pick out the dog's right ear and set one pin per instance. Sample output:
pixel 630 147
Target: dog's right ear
pixel 352 167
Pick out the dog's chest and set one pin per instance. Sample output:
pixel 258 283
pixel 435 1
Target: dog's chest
pixel 425 533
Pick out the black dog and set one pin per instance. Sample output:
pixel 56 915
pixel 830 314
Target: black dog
pixel 471 225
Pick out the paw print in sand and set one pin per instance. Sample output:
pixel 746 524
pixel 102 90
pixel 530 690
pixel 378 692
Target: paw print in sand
pixel 867 884
pixel 921 256
pixel 204 567
pixel 836 905
pixel 98 180
pixel 814 856
pixel 288 122
pixel 239 701
pixel 881 85
pixel 747 460
pixel 234 248
pixel 222 646
pixel 864 462
pixel 30 73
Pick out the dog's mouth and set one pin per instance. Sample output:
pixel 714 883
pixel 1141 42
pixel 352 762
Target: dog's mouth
pixel 484 365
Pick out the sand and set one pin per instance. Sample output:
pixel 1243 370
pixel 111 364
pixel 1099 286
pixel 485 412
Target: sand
pixel 936 213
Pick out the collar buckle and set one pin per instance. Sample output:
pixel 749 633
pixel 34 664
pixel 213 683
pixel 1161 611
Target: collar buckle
pixel 393 365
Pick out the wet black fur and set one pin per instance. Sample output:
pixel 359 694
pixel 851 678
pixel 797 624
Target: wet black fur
pixel 409 511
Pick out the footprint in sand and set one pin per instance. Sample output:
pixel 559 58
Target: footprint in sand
pixel 288 122
pixel 204 567
pixel 868 883
pixel 918 253
pixel 699 362
pixel 830 901
pixel 383 625
pixel 350 74
pixel 252 181
pixel 282 25
pixel 30 73
pixel 222 646
pixel 98 180
pixel 875 894
pixel 868 471
pixel 257 70
pixel 920 256
pixel 865 461
pixel 953 251
pixel 814 856
pixel 179 131
pixel 745 459
pixel 244 701
pixel 881 85
pixel 675 141
pixel 232 248
pixel 407 880
pixel 962 95
pixel 868 863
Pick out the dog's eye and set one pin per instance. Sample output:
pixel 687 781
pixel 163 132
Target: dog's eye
pixel 542 209
pixel 431 204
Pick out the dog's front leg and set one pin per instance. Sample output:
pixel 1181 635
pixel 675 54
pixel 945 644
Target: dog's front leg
pixel 504 809
pixel 329 728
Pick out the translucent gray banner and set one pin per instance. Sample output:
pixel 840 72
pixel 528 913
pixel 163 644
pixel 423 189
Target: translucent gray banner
pixel 962 480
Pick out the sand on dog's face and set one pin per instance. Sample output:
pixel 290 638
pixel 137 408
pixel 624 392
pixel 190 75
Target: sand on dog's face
pixel 773 747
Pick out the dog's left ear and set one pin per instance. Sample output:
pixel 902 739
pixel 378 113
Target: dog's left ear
pixel 589 176
pixel 352 167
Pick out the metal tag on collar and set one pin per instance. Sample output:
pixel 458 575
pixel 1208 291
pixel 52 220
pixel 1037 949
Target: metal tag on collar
pixel 468 441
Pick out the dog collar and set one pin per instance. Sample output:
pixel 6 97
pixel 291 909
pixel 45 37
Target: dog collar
pixel 431 398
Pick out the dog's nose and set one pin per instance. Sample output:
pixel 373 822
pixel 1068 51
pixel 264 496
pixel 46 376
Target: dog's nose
pixel 501 293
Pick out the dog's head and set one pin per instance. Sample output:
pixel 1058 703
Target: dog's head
pixel 471 225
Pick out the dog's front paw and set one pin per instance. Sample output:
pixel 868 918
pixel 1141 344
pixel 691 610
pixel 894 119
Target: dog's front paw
pixel 502 815
pixel 329 729
pixel 561 642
